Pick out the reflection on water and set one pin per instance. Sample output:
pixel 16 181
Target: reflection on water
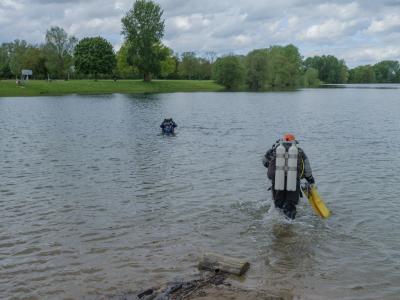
pixel 94 201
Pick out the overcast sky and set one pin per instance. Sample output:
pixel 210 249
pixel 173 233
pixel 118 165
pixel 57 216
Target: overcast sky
pixel 360 31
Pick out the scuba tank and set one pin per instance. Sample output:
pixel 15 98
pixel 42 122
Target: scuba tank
pixel 280 168
pixel 291 183
pixel 286 167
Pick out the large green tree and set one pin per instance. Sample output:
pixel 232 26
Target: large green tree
pixel 362 74
pixel 284 66
pixel 189 66
pixel 17 52
pixel 20 55
pixel 169 63
pixel 310 78
pixel 387 71
pixel 276 66
pixel 229 72
pixel 143 28
pixel 205 68
pixel 35 60
pixel 257 69
pixel 94 56
pixel 124 69
pixel 58 50
pixel 330 69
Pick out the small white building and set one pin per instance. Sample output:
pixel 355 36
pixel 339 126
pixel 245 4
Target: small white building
pixel 25 74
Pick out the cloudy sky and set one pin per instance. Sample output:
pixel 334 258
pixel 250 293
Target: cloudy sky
pixel 359 31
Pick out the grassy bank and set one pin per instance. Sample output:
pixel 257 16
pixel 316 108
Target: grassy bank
pixel 8 88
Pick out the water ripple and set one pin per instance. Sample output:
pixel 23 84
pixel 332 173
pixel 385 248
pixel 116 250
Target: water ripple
pixel 94 201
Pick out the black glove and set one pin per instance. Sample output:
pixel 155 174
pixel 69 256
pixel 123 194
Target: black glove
pixel 310 180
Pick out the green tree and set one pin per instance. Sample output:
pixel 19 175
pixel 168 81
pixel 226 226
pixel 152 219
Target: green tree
pixel 17 51
pixel 204 69
pixel 174 62
pixel 257 69
pixel 5 71
pixel 35 60
pixel 284 66
pixel 330 69
pixel 362 74
pixel 189 66
pixel 387 71
pixel 229 72
pixel 168 64
pixel 143 29
pixel 310 78
pixel 123 68
pixel 94 56
pixel 22 55
pixel 193 67
pixel 58 49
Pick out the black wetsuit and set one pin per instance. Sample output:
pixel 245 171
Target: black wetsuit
pixel 168 126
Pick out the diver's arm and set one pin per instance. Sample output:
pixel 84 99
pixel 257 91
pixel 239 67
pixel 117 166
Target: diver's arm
pixel 265 161
pixel 307 169
pixel 268 156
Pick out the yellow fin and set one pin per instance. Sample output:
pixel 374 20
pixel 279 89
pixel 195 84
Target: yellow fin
pixel 319 204
pixel 316 202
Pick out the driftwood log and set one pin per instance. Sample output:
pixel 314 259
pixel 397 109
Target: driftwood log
pixel 219 263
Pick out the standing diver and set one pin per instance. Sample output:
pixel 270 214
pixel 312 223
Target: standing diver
pixel 287 164
pixel 168 126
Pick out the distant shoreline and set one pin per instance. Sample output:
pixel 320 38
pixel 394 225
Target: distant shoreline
pixel 34 88
pixel 9 88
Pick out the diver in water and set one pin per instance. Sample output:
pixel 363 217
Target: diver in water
pixel 168 126
pixel 287 164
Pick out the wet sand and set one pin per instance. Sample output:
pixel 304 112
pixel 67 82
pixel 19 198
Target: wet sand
pixel 233 293
pixel 205 287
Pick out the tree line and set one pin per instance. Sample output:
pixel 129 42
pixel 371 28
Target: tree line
pixel 284 67
pixel 143 55
pixel 62 56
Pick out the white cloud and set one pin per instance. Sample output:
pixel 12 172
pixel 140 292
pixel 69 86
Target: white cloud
pixel 372 54
pixel 185 23
pixel 242 40
pixel 9 4
pixel 181 23
pixel 327 30
pixel 339 10
pixel 391 22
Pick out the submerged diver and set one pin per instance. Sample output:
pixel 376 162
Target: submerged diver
pixel 287 164
pixel 168 126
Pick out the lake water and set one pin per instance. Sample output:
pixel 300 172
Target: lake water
pixel 95 202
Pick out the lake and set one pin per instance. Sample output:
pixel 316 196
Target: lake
pixel 96 202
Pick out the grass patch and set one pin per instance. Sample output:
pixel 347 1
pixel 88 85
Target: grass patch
pixel 8 88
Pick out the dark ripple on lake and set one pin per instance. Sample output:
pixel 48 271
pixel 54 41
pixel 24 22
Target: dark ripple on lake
pixel 94 201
